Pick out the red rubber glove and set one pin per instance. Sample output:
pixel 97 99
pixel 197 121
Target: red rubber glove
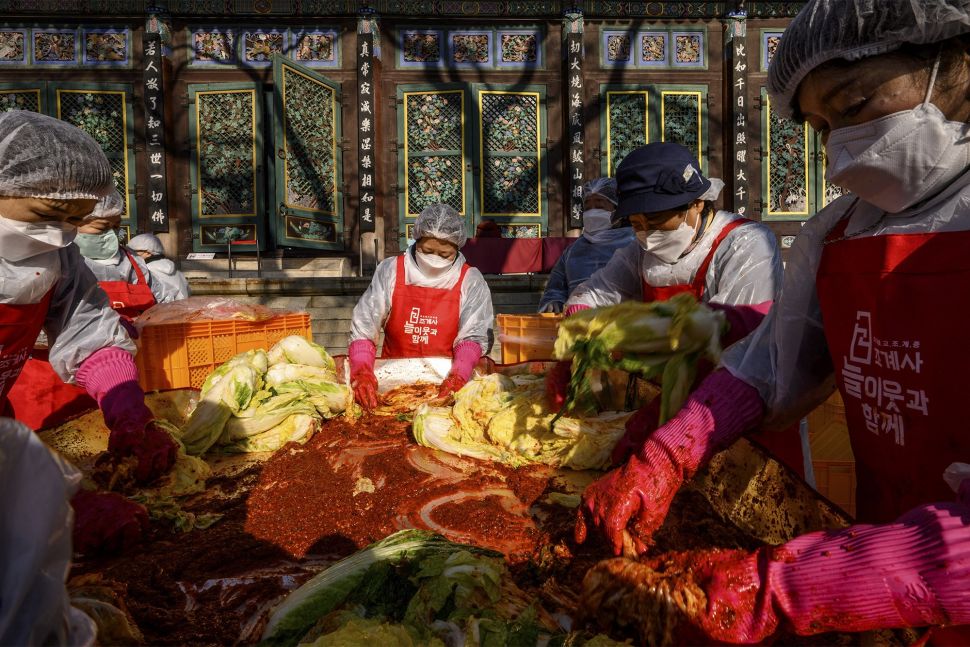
pixel 105 522
pixel 714 416
pixel 910 573
pixel 362 353
pixel 638 428
pixel 451 384
pixel 742 319
pixel 557 384
pixel 154 448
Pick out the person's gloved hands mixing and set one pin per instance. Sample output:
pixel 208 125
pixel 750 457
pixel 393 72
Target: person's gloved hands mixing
pixel 362 353
pixel 465 356
pixel 641 491
pixel 111 378
pixel 910 573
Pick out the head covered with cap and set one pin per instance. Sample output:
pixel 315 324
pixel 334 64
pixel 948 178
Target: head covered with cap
pixel 442 222
pixel 43 157
pixel 601 186
pixel 148 243
pixel 109 207
pixel 851 30
pixel 658 177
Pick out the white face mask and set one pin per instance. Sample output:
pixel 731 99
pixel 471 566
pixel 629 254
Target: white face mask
pixel 901 159
pixel 668 246
pixel 20 240
pixel 432 265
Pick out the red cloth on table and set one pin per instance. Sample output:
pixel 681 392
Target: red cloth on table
pixel 514 255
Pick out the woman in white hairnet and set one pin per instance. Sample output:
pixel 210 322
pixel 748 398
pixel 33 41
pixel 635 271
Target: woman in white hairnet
pixel 429 303
pixel 594 248
pixel 51 176
pixel 874 301
pixel 130 286
pixel 149 248
pixel 683 244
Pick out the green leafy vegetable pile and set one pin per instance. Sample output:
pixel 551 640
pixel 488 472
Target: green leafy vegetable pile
pixel 664 339
pixel 259 401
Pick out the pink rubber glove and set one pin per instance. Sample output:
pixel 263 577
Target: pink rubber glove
pixel 576 307
pixel 362 353
pixel 105 522
pixel 911 573
pixel 464 358
pixel 714 416
pixel 110 377
pixel 742 320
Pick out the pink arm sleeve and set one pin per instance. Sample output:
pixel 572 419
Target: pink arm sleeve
pixel 110 376
pixel 362 353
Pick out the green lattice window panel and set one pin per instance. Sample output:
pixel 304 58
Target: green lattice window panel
pixel 434 144
pixel 225 124
pixel 682 113
pixel 511 136
pixel 827 192
pixel 308 169
pixel 104 111
pixel 787 175
pixel 22 96
pixel 435 147
pixel 625 124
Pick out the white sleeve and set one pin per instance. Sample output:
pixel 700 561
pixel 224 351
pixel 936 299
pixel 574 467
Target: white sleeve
pixel 787 357
pixel 619 280
pixel 80 321
pixel 476 318
pixel 372 309
pixel 746 268
pixel 162 291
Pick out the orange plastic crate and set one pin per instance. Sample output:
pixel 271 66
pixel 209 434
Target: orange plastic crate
pixel 526 338
pixel 182 355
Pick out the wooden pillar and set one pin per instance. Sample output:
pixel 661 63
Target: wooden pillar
pixel 738 64
pixel 573 37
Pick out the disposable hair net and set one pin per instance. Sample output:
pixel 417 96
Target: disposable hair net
pixel 43 157
pixel 110 206
pixel 147 243
pixel 604 186
pixel 442 222
pixel 854 29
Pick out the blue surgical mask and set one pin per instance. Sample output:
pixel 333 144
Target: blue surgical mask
pixel 98 247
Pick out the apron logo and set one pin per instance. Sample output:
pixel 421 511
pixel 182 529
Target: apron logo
pixel 419 327
pixel 878 373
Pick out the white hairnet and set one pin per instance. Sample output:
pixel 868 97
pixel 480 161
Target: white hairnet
pixel 714 192
pixel 442 222
pixel 604 186
pixel 43 157
pixel 853 29
pixel 147 243
pixel 110 206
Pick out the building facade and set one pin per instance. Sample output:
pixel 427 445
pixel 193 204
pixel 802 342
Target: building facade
pixel 321 128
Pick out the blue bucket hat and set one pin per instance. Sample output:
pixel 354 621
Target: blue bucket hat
pixel 657 177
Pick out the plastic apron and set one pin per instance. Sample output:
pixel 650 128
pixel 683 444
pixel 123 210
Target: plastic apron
pixel 129 299
pixel 423 322
pixel 896 309
pixel 785 445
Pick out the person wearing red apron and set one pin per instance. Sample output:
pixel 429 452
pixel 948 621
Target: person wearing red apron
pixel 428 302
pixel 40 398
pixel 684 245
pixel 874 302
pixel 52 176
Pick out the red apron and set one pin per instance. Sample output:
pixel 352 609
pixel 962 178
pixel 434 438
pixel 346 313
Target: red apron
pixel 785 445
pixel 895 312
pixel 19 327
pixel 129 299
pixel 423 322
